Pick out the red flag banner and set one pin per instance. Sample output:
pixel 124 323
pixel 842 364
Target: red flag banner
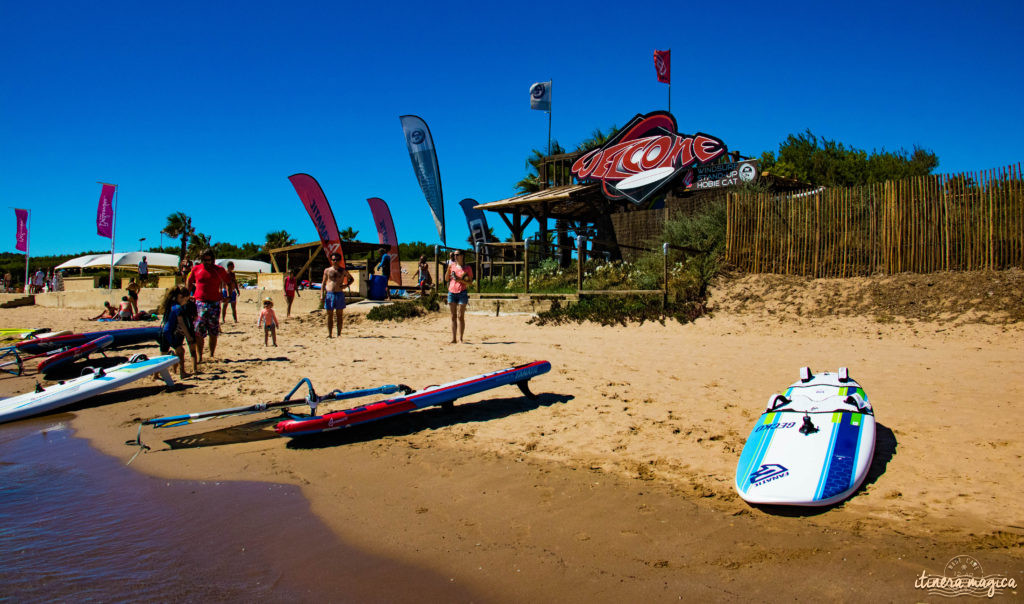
pixel 386 235
pixel 315 201
pixel 105 212
pixel 663 65
pixel 22 237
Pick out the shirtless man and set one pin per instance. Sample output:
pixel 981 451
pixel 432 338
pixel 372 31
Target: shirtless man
pixel 332 292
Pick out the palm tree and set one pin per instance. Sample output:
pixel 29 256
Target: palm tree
pixel 532 182
pixel 278 239
pixel 348 234
pixel 200 242
pixel 179 225
pixel 597 139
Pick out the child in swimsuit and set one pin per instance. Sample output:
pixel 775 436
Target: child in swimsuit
pixel 268 320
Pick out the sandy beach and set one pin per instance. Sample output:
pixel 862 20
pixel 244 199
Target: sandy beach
pixel 616 483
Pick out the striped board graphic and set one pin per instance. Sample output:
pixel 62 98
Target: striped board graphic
pixel 812 447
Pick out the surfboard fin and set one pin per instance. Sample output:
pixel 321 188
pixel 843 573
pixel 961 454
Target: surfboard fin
pixel 805 374
pixel 808 428
pixel 524 387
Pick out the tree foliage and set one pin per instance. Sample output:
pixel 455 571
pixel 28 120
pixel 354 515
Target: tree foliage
pixel 820 161
pixel 278 239
pixel 179 226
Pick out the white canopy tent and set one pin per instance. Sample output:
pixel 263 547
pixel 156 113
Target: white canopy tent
pixel 80 261
pixel 249 267
pixel 158 262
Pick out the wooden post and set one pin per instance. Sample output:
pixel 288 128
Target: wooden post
pixel 664 254
pixel 579 263
pixel 476 246
pixel 526 263
pixel 437 276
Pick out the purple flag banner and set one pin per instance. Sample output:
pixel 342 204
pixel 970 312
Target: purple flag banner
pixel 105 212
pixel 22 243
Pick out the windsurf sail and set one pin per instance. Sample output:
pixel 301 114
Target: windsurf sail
pixel 312 400
pixel 315 202
pixel 386 235
pixel 424 163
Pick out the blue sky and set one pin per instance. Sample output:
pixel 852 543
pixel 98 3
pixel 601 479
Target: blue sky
pixel 208 107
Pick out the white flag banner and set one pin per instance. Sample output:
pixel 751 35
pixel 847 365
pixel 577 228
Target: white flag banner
pixel 540 96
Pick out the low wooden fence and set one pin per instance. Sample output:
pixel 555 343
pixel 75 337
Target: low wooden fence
pixel 950 222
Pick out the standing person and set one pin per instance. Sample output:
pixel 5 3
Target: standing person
pixel 143 270
pixel 8 281
pixel 268 321
pixel 291 289
pixel 133 295
pixel 459 277
pixel 175 330
pixel 332 292
pixel 423 275
pixel 385 270
pixel 230 294
pixel 37 281
pixel 207 278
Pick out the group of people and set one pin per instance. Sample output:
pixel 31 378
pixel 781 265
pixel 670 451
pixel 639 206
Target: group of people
pixel 39 282
pixel 193 312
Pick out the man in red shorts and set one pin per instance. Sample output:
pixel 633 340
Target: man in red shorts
pixel 208 279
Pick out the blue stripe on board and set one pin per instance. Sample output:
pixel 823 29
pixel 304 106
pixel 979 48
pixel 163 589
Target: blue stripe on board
pixel 762 449
pixel 844 456
pixel 827 463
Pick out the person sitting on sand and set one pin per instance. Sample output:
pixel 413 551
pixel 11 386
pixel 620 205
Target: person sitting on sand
pixel 175 328
pixel 268 321
pixel 108 312
pixel 124 311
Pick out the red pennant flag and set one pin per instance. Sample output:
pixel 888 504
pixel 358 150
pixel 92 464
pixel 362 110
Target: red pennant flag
pixel 663 65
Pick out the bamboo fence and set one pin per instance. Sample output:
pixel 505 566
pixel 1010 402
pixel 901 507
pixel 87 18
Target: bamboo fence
pixel 966 221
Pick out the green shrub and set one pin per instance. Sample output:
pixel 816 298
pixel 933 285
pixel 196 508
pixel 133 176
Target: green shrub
pixel 396 311
pixel 619 310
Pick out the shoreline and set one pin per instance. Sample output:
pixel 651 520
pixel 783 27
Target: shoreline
pixel 554 486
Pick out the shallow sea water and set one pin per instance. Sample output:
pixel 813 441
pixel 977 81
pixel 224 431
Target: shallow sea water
pixel 78 525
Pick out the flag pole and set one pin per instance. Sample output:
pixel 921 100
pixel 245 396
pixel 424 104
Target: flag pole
pixel 113 227
pixel 28 238
pixel 670 83
pixel 551 105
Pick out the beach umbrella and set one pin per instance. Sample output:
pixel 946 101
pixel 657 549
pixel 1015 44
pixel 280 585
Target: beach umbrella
pixel 246 266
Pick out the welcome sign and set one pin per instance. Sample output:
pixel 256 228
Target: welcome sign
pixel 645 156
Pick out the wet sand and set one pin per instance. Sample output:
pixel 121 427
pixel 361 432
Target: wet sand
pixel 617 482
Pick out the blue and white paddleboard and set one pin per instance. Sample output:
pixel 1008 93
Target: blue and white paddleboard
pixel 812 446
pixel 99 381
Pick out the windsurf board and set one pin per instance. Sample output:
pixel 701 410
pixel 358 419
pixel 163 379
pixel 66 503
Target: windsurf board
pixel 812 446
pixel 99 381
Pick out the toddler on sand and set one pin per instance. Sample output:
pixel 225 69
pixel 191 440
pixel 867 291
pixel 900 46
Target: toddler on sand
pixel 268 320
